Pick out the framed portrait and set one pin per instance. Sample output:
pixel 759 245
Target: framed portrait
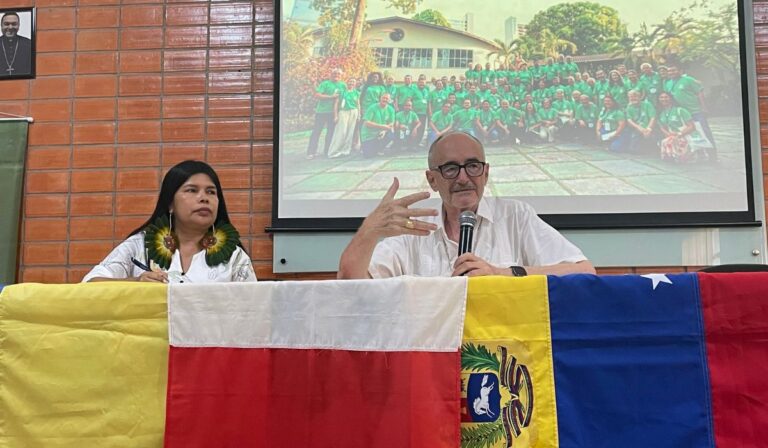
pixel 612 113
pixel 18 43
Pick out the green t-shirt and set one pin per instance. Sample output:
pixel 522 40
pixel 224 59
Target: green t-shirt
pixel 474 99
pixel 586 113
pixel 547 114
pixel 518 90
pixel 404 93
pixel 509 117
pixel 486 117
pixel 601 88
pixel 572 68
pixel 550 71
pixel 562 105
pixel 633 85
pixel 392 91
pixel 348 100
pixel 437 98
pixel 641 113
pixel 378 115
pixel 619 94
pixel 441 120
pixel 612 118
pixel 530 119
pixel 539 94
pixel 525 77
pixel 685 90
pixel 420 99
pixel 675 118
pixel 464 119
pixel 372 95
pixel 328 87
pixel 406 118
pixel 485 75
pixel 651 85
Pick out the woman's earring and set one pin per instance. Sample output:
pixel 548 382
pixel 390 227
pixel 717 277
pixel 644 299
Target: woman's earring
pixel 209 240
pixel 168 240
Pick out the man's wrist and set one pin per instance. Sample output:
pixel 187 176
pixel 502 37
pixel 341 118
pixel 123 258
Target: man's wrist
pixel 518 271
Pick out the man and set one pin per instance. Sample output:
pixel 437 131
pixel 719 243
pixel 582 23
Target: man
pixel 407 125
pixel 565 113
pixel 390 87
pixel 378 128
pixel 464 119
pixel 17 50
pixel 485 123
pixel 404 92
pixel 509 238
pixel 326 93
pixel 440 122
pixel 509 122
pixel 420 100
pixel 641 118
pixel 586 114
pixel 688 93
pixel 650 82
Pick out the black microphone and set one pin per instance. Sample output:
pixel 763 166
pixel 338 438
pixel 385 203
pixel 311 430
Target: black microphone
pixel 467 221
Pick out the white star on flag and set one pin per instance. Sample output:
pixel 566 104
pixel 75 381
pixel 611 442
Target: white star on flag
pixel 657 278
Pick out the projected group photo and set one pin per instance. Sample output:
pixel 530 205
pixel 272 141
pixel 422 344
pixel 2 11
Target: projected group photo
pixel 612 99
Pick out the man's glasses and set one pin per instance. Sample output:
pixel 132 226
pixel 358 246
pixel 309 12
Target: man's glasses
pixel 451 170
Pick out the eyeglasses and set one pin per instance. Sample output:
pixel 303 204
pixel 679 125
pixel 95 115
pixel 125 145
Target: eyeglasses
pixel 451 170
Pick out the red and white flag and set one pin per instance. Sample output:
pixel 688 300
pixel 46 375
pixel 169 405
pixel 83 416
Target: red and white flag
pixel 313 364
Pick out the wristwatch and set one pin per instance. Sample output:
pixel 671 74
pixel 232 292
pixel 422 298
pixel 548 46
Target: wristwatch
pixel 518 271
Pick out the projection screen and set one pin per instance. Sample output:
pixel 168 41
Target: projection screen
pixel 599 114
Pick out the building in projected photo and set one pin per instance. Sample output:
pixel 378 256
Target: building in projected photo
pixel 466 23
pixel 409 47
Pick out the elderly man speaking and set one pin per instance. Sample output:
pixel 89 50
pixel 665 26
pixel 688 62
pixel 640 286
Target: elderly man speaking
pixel 509 238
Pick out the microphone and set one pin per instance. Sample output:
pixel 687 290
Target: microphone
pixel 467 221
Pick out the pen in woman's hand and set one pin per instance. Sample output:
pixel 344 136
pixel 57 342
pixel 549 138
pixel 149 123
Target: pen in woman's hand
pixel 140 264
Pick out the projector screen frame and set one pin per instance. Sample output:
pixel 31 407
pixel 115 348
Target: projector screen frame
pixel 728 218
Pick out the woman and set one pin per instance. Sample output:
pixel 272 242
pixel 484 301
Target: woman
pixel 188 238
pixel 532 124
pixel 371 92
pixel 346 114
pixel 611 124
pixel 682 141
pixel 617 89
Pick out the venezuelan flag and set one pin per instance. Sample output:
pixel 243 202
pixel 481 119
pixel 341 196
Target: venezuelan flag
pixel 617 361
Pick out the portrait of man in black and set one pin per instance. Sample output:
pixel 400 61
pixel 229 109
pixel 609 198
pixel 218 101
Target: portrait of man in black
pixel 16 60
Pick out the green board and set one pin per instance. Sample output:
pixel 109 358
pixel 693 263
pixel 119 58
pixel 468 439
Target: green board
pixel 13 150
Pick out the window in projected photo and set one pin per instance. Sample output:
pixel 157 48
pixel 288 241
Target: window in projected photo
pixel 612 113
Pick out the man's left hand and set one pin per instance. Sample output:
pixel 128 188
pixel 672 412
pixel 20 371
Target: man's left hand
pixel 473 266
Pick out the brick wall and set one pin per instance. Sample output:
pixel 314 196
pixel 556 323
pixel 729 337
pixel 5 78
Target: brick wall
pixel 126 89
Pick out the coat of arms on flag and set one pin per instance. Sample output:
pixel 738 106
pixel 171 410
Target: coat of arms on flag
pixel 497 395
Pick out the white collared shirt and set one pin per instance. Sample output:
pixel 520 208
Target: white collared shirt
pixel 118 265
pixel 508 233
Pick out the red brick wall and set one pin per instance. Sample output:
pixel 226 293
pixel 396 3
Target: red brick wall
pixel 126 89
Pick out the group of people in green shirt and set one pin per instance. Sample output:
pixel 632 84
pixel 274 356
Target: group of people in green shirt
pixel 621 108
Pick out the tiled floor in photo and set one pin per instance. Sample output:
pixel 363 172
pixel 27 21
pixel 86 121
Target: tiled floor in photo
pixel 524 170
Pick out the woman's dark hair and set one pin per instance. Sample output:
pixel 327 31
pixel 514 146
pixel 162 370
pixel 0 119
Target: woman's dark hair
pixel 174 179
pixel 370 79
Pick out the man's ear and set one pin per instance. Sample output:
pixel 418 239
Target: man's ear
pixel 431 179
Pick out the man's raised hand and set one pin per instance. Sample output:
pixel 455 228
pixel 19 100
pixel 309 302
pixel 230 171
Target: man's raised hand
pixel 393 217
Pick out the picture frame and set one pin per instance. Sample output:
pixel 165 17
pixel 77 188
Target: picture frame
pixel 18 43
